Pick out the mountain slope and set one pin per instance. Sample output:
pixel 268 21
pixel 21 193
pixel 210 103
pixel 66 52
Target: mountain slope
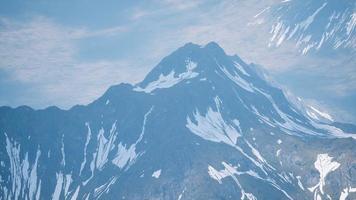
pixel 201 125
pixel 314 25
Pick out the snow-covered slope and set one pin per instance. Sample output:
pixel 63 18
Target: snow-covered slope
pixel 201 125
pixel 312 24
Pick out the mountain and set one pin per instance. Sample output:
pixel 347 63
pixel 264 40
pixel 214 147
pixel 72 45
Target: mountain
pixel 201 125
pixel 314 25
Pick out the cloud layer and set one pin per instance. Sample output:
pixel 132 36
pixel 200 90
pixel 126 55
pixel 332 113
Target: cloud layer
pixel 47 60
pixel 41 56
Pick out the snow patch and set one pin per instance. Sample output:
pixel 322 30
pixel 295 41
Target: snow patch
pixel 156 174
pixel 345 193
pixel 324 164
pixel 167 81
pixel 213 127
pixel 314 113
pixel 124 156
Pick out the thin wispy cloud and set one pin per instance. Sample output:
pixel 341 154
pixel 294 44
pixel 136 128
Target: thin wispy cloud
pixel 41 51
pixel 182 5
pixel 43 55
pixel 42 44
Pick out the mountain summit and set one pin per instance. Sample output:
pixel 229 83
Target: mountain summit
pixel 201 125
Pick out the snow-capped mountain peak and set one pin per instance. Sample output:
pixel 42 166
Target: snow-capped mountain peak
pixel 201 125
pixel 192 62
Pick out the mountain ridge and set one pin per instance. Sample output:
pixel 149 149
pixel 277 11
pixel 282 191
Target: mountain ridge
pixel 201 125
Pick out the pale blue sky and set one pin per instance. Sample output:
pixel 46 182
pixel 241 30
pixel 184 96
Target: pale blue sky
pixel 69 52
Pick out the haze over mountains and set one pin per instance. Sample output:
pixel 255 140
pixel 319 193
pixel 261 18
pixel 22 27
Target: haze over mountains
pixel 314 25
pixel 201 125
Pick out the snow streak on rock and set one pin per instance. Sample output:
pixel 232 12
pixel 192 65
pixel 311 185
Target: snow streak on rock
pixel 230 171
pixel 318 115
pixel 23 174
pixel 126 157
pixel 312 24
pixel 105 145
pixel 85 149
pixel 63 183
pixel 105 188
pixel 100 156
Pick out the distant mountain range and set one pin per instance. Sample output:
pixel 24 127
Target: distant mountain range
pixel 201 125
pixel 314 25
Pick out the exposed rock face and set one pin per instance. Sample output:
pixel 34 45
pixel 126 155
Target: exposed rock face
pixel 201 125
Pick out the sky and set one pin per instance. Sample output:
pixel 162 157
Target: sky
pixel 65 52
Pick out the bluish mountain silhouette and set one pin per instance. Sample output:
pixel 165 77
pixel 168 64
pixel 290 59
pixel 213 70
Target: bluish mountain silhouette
pixel 201 125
